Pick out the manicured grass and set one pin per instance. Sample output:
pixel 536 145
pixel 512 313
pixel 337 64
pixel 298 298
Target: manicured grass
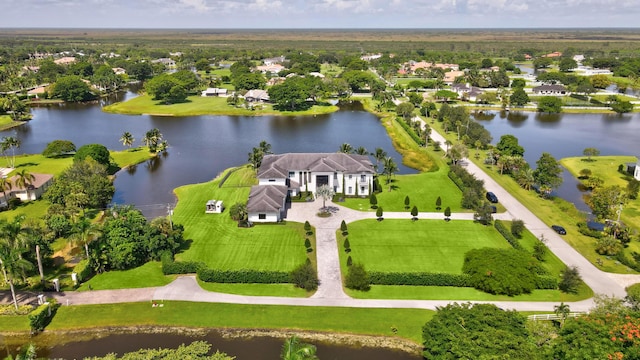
pixel 409 322
pixel 131 156
pixel 423 190
pixel 147 275
pixel 198 105
pixel 330 70
pixel 283 290
pixel 216 239
pixel 555 211
pixel 31 209
pixel 460 293
pixel 10 324
pixel 7 123
pixel 551 262
pixel 416 246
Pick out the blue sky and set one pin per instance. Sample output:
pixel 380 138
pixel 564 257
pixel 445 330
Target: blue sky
pixel 320 13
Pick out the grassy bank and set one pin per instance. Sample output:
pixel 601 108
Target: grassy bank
pixel 408 322
pixel 7 123
pixel 147 275
pixel 198 105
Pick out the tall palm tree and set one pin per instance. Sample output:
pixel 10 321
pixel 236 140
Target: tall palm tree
pixel 5 184
pixel 83 232
pixel 265 147
pixel 525 178
pixel 24 180
pixel 345 148
pixel 562 311
pixel 13 243
pixel 127 139
pixel 152 138
pixel 293 349
pixel 379 154
pixel 390 168
pixel 361 150
pixel 10 143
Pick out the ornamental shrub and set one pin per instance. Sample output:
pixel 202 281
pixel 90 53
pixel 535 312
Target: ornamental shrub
pixel 244 276
pixel 305 277
pixel 501 271
pixel 41 316
pixel 357 278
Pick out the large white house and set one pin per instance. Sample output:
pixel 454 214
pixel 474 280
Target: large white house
pixel 296 173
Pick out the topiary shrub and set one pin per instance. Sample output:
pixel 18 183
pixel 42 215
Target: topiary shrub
pixel 307 228
pixel 501 271
pixel 343 228
pixel 98 152
pixel 357 278
pixel 42 315
pixel 307 243
pixel 349 261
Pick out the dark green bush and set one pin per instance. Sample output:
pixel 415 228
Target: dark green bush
pixel 584 230
pixel 417 139
pixel 307 243
pixel 506 233
pixel 244 276
pixel 305 277
pixel 357 278
pixel 83 270
pixel 501 271
pixel 169 266
pixel 546 282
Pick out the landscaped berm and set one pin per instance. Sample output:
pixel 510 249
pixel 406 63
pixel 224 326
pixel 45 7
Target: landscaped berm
pixel 217 241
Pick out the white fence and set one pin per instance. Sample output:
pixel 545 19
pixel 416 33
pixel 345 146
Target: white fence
pixel 554 316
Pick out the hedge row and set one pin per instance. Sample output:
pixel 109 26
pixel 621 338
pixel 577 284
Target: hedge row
pixel 169 266
pixel 83 270
pixel 506 233
pixel 420 279
pixel 42 315
pixel 633 264
pixel 410 131
pixel 546 282
pixel 456 180
pixel 244 276
pixel 584 230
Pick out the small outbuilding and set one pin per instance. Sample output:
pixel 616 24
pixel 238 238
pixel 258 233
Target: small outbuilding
pixel 214 207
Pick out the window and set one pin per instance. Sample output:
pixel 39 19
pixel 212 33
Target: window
pixel 363 178
pixel 262 216
pixel 362 189
pixel 292 174
pixel 350 190
pixel 350 176
pixel 272 180
pixel 335 176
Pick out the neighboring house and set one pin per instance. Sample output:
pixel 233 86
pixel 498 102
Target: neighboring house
pixel 257 96
pixel 451 76
pixel 554 54
pixel 274 60
pixel 65 60
pixel 467 92
pixel 316 74
pixel 214 92
pixel 370 57
pixel 634 169
pixel 165 61
pixel 553 90
pixel 118 71
pixel 275 81
pixel 40 56
pixel 589 71
pixel 270 69
pixel 33 192
pixel 214 207
pixel 267 203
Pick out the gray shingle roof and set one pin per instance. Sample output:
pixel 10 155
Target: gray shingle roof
pixel 318 162
pixel 266 198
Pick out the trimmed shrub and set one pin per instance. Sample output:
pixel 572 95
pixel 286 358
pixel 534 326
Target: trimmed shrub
pixel 307 243
pixel 305 277
pixel 169 266
pixel 584 230
pixel 517 227
pixel 343 228
pixel 546 282
pixel 84 271
pixel 506 233
pixel 501 271
pixel 570 281
pixel 244 276
pixel 420 279
pixel 42 315
pixel 409 130
pixel 349 261
pixel 357 278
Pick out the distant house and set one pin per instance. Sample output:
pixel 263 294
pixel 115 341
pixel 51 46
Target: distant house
pixel 270 69
pixel 33 69
pixel 118 71
pixel 275 81
pixel 257 95
pixel 451 76
pixel 467 92
pixel 316 74
pixel 214 207
pixel 34 191
pixel 553 54
pixel 553 90
pixel 170 63
pixel 370 57
pixel 214 92
pixel 634 169
pixel 274 60
pixel 65 60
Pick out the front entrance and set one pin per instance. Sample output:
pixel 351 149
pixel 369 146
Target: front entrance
pixel 322 180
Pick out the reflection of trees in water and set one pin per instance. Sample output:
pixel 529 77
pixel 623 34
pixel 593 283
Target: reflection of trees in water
pixel 517 117
pixel 484 115
pixel 153 164
pixel 616 118
pixel 131 170
pixel 548 118
pixel 165 154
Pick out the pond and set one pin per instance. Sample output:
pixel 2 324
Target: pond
pixel 565 135
pixel 200 146
pixel 253 348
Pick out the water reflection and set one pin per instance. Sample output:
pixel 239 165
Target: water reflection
pixel 517 118
pixel 548 120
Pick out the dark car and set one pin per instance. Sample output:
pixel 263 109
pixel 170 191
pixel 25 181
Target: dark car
pixel 492 197
pixel 494 209
pixel 559 229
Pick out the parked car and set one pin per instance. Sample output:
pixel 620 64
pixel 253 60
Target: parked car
pixel 494 209
pixel 492 197
pixel 559 229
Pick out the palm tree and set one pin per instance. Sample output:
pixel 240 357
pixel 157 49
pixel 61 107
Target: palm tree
pixel 152 138
pixel 24 180
pixel 5 184
pixel 10 143
pixel 390 168
pixel 345 148
pixel 562 311
pixel 361 150
pixel 127 139
pixel 265 147
pixel 13 243
pixel 325 192
pixel 84 231
pixel 525 178
pixel 379 155
pixel 293 349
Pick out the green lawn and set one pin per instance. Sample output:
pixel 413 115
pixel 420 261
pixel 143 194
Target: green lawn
pixel 198 105
pixel 217 241
pixel 147 275
pixel 409 322
pixel 423 189
pixel 330 70
pixel 7 123
pixel 460 293
pixel 422 246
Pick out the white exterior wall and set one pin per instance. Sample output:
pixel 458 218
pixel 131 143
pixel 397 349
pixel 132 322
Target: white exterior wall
pixel 282 182
pixel 355 182
pixel 636 172
pixel 270 217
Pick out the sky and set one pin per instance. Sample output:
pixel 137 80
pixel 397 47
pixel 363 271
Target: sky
pixel 224 14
